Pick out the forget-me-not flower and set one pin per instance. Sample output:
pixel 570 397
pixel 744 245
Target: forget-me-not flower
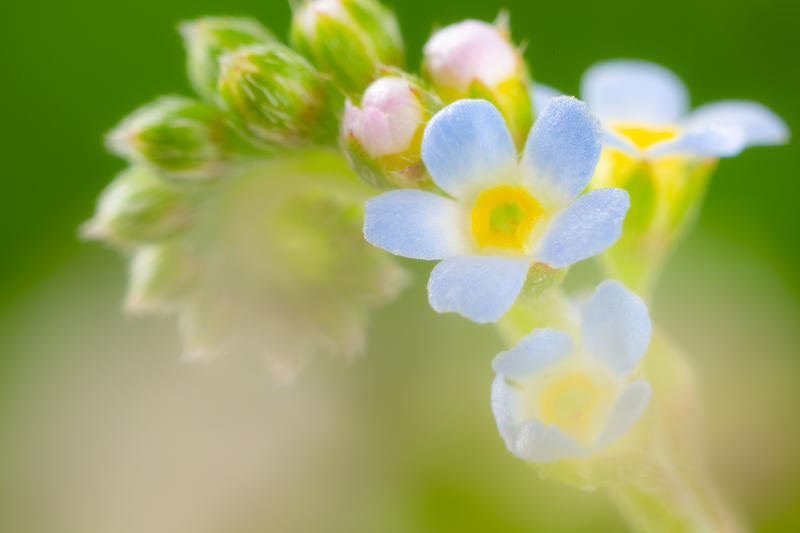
pixel 502 215
pixel 644 108
pixel 554 400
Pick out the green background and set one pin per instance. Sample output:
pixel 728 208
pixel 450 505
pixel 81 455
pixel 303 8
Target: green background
pixel 102 429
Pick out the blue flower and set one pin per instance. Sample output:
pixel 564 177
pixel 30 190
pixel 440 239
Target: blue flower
pixel 552 400
pixel 644 109
pixel 501 215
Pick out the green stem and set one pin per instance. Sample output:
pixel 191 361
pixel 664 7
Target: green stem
pixel 680 501
pixel 546 310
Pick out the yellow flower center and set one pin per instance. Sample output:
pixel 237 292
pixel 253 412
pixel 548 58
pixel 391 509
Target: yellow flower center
pixel 504 216
pixel 645 136
pixel 576 403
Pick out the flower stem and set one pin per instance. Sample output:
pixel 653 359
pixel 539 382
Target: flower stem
pixel 680 501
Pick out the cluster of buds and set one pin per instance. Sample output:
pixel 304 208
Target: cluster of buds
pixel 235 213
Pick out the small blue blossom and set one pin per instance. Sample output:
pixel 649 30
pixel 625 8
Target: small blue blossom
pixel 644 109
pixel 501 215
pixel 554 400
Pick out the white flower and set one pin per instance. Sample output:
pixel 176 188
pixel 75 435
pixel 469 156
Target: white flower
pixel 503 215
pixel 554 400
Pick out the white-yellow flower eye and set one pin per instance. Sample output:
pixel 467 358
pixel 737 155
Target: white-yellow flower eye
pixel 504 216
pixel 578 402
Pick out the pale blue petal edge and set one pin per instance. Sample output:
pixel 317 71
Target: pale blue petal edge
pixel 755 123
pixel 467 144
pixel 627 410
pixel 562 150
pixel 615 327
pixel 634 91
pixel 710 140
pixel 538 349
pixel 545 444
pixel 530 440
pixel 415 224
pixel 592 223
pixel 505 410
pixel 541 94
pixel 481 288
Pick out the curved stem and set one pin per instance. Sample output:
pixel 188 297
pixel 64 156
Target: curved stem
pixel 682 501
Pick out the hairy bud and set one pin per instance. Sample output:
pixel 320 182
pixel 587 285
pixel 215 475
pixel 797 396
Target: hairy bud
pixel 277 96
pixel 138 207
pixel 183 137
pixel 348 39
pixel 207 38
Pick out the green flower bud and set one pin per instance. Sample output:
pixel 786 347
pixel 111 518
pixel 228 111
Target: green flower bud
pixel 475 59
pixel 159 278
pixel 277 96
pixel 208 38
pixel 138 207
pixel 180 136
pixel 348 39
pixel 382 137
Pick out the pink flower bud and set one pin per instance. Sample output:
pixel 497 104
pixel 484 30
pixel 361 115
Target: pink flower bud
pixel 469 51
pixel 388 119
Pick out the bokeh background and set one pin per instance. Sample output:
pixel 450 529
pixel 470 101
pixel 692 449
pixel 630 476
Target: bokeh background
pixel 104 430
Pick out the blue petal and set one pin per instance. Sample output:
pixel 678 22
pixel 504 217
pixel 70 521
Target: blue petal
pixel 634 92
pixel 541 94
pixel 537 350
pixel 587 227
pixel 415 224
pixel 615 327
pixel 627 410
pixel 505 408
pixel 701 140
pixel 757 124
pixel 481 288
pixel 467 144
pixel 544 444
pixel 562 150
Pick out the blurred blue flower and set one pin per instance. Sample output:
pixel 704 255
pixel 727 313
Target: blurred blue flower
pixel 644 108
pixel 553 400
pixel 503 215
